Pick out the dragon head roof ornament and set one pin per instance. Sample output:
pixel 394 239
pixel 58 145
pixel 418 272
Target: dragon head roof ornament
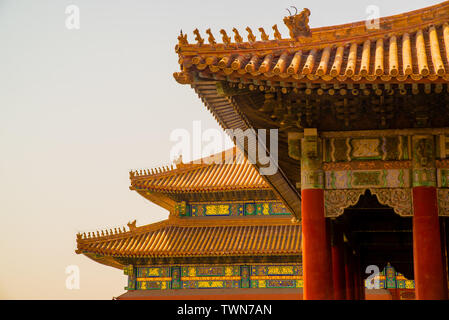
pixel 298 24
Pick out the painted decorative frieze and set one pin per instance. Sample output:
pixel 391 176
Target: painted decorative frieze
pixel 214 277
pixel 176 282
pixel 245 273
pixel 385 148
pixel 312 174
pixel 181 209
pixel 362 179
pixel 210 277
pixel 190 272
pixel 153 278
pixel 236 277
pixel 423 156
pixel 234 209
pixel 289 276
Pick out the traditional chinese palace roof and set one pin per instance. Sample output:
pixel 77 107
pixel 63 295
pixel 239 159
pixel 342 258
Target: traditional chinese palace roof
pixel 227 171
pixel 181 237
pixel 223 176
pixel 347 103
pixel 196 237
pixel 353 78
pixel 407 47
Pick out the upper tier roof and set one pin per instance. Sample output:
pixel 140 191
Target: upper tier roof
pixel 225 171
pixel 407 47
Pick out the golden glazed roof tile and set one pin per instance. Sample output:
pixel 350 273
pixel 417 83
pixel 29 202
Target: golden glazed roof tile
pixel 408 47
pixel 233 173
pixel 199 237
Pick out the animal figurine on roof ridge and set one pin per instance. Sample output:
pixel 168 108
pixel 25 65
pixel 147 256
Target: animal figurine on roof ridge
pixel 298 24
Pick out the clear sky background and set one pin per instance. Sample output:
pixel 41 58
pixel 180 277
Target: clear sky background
pixel 80 108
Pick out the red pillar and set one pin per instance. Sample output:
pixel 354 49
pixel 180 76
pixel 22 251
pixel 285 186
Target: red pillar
pixel 427 254
pixel 329 254
pixel 356 274
pixel 362 283
pixel 338 264
pixel 315 250
pixel 360 280
pixel 348 275
pixel 444 255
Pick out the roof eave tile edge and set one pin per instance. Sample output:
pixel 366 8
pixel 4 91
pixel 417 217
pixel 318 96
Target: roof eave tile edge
pixel 257 253
pixel 189 222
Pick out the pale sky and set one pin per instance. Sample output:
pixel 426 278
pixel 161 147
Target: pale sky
pixel 80 108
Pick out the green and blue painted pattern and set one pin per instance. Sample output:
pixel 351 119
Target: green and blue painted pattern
pixel 236 276
pixel 214 277
pixel 356 179
pixel 444 178
pixel 231 209
pixel 366 148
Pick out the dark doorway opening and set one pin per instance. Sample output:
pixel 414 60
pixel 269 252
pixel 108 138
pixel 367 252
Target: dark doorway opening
pixel 378 235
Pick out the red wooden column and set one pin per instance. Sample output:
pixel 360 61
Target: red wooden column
pixel 348 274
pixel 362 282
pixel 356 287
pixel 427 253
pixel 329 254
pixel 361 279
pixel 338 263
pixel 315 255
pixel 444 255
pixel 356 279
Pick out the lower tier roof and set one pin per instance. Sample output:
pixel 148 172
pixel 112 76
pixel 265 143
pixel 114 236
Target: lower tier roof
pixel 198 237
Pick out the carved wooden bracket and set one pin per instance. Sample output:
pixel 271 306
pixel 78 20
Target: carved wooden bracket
pixel 400 199
pixel 336 201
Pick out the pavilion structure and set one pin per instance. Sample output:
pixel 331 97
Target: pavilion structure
pixel 227 237
pixel 363 120
pixel 362 175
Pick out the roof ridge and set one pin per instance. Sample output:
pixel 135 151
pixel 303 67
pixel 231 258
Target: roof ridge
pixel 435 14
pixel 191 222
pixel 166 171
pixel 172 240
pixel 197 177
pixel 115 233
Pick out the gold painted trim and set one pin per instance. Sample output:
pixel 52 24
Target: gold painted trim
pixel 153 279
pixel 210 278
pixel 276 277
